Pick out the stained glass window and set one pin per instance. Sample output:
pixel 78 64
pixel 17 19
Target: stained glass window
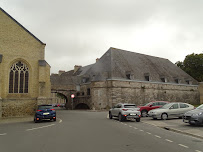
pixel 18 78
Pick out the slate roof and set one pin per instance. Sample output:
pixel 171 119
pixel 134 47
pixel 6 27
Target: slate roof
pixel 22 26
pixel 117 63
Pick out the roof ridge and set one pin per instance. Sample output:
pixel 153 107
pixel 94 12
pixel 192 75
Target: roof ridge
pixel 112 48
pixel 22 26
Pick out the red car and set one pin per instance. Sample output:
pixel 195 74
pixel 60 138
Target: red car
pixel 152 105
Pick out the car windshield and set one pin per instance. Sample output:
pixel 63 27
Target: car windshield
pixel 45 107
pixel 166 106
pixel 130 106
pixel 148 104
pixel 200 107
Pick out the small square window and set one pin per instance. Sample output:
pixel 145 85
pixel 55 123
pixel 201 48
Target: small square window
pixel 177 81
pixel 163 79
pixel 147 78
pixel 128 76
pixel 88 91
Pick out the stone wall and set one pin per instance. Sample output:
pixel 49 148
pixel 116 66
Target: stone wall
pixel 114 91
pixel 16 107
pixel 17 44
pixel 201 92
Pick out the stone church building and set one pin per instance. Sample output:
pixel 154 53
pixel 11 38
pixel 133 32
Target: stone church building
pixel 24 73
pixel 124 76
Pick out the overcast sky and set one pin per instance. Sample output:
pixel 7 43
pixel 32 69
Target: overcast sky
pixel 76 32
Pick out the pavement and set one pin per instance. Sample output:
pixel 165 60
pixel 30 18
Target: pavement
pixel 16 119
pixel 176 125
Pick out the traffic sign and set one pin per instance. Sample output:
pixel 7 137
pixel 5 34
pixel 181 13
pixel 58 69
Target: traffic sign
pixel 72 95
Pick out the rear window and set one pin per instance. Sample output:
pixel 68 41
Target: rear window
pixel 183 105
pixel 129 106
pixel 45 107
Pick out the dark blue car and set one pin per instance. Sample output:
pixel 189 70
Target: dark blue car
pixel 45 112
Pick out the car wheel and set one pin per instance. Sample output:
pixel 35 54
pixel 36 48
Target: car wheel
pixel 154 118
pixel 144 113
pixel 164 116
pixel 138 120
pixel 110 115
pixel 120 117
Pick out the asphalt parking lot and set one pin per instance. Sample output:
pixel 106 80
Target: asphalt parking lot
pixel 176 125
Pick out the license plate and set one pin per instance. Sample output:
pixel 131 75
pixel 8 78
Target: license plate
pixel 133 114
pixel 46 113
pixel 184 120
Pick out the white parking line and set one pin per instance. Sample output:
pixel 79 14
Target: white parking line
pixel 107 116
pixel 149 133
pixel 168 140
pixel 157 136
pixel 40 127
pixel 135 128
pixel 183 146
pixel 130 126
pixel 198 151
pixel 141 130
pixel 125 124
pixel 3 134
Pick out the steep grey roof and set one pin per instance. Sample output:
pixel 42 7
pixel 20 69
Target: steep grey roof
pixel 140 65
pixel 66 78
pixel 21 26
pixel 117 64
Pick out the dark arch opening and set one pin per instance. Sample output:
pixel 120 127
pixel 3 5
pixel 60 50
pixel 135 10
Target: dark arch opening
pixel 82 106
pixel 62 96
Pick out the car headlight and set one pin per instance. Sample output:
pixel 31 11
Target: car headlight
pixel 197 114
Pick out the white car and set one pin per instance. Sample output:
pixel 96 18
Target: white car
pixel 171 110
pixel 125 111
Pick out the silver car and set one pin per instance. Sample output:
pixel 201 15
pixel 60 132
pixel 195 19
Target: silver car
pixel 171 110
pixel 194 117
pixel 125 111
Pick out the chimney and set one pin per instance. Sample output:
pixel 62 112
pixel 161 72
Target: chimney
pixel 76 67
pixel 60 72
pixel 97 59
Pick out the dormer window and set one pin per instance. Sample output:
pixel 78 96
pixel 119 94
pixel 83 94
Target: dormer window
pixel 177 80
pixel 188 82
pixel 129 75
pixel 163 79
pixel 85 79
pixel 147 77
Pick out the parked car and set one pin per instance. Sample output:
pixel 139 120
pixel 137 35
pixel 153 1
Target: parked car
pixel 171 110
pixel 194 117
pixel 45 112
pixel 151 105
pixel 125 111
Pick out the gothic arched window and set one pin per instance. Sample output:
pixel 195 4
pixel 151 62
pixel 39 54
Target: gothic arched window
pixel 18 78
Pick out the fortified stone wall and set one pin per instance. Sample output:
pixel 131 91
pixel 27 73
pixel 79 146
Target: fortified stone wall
pixel 111 92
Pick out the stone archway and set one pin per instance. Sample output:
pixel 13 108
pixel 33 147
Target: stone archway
pixel 82 106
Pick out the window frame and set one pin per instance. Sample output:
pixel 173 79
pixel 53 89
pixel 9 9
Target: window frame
pixel 18 78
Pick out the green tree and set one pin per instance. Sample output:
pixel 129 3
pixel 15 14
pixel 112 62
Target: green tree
pixel 193 65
